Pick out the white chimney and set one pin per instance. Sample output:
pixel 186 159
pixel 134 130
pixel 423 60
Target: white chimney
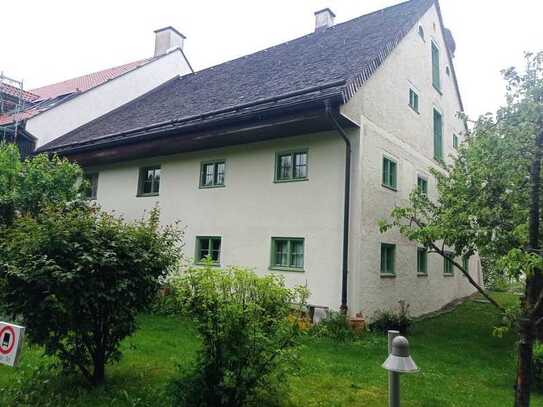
pixel 324 19
pixel 166 39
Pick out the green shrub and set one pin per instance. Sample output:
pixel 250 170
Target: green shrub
pixel 337 327
pixel 78 277
pixel 398 320
pixel 538 366
pixel 249 338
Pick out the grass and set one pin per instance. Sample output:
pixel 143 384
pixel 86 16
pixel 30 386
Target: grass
pixel 461 364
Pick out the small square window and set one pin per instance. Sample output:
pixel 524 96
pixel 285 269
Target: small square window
pixel 389 173
pixel 92 188
pixel 208 247
pixel 422 261
pixel 455 141
pixel 387 258
pixel 422 185
pixel 413 100
pixel 291 166
pixel 287 254
pixel 149 181
pixel 212 174
pixel 448 265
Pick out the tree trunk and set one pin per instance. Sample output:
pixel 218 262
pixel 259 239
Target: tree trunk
pixel 98 377
pixel 524 370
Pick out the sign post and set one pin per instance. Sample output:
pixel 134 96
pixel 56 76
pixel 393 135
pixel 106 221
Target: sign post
pixel 11 343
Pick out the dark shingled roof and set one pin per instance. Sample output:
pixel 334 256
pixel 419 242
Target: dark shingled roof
pixel 349 51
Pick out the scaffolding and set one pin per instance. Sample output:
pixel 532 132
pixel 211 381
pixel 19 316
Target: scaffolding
pixel 12 104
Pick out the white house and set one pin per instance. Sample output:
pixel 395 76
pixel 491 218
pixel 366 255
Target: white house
pixel 53 110
pixel 285 160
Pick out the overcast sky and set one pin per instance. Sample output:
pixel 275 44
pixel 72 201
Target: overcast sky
pixel 46 41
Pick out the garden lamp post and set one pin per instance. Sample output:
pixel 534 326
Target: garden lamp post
pixel 398 362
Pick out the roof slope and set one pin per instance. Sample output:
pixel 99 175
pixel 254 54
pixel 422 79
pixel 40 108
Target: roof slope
pixel 18 93
pixel 349 51
pixel 85 82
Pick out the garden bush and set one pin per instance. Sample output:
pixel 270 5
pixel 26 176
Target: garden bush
pixel 337 327
pixel 393 319
pixel 249 339
pixel 78 277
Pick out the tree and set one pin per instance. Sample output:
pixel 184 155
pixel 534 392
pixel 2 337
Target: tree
pixel 248 325
pixel 27 186
pixel 489 203
pixel 78 277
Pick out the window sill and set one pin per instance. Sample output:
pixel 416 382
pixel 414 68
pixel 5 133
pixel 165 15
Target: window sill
pixel 422 274
pixel 437 89
pixel 387 275
pixel 212 186
pixel 202 264
pixel 146 195
pixel 289 269
pixel 390 188
pixel 448 274
pixel 413 109
pixel 281 181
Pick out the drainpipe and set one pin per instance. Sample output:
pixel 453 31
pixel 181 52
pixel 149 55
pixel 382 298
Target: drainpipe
pixel 346 209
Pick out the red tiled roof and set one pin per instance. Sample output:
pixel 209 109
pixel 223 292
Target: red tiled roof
pixel 13 91
pixel 85 82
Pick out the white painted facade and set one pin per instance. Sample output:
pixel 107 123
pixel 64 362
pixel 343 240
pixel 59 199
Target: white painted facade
pixel 252 208
pixel 106 97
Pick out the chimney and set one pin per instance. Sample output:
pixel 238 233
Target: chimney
pixel 324 19
pixel 167 38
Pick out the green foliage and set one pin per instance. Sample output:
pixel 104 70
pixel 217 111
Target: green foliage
pixel 28 186
pixel 398 320
pixel 337 327
pixel 249 338
pixel 78 277
pixel 538 366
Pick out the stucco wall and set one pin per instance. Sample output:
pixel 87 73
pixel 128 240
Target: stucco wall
pixel 98 101
pixel 251 208
pixel 390 127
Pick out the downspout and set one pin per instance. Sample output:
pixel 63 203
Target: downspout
pixel 346 208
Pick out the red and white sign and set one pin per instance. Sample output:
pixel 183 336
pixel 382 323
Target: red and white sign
pixel 11 343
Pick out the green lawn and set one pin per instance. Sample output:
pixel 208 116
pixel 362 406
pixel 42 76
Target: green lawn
pixel 461 363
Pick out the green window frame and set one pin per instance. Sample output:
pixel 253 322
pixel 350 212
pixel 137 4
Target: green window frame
pixel 448 265
pixel 208 247
pixel 455 141
pixel 390 173
pixel 212 174
pixel 438 136
pixel 149 181
pixel 388 254
pixel 92 190
pixel 422 261
pixel 422 185
pixel 413 100
pixel 291 166
pixel 436 74
pixel 465 263
pixel 287 253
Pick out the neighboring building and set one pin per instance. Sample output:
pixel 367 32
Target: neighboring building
pixel 53 110
pixel 285 160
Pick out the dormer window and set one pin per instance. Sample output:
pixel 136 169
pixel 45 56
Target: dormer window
pixel 421 32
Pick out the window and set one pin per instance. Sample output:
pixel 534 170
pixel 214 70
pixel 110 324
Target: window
pixel 465 263
pixel 448 266
pixel 291 166
pixel 422 261
pixel 387 258
pixel 389 173
pixel 92 189
pixel 421 32
pixel 422 185
pixel 149 182
pixel 436 79
pixel 212 174
pixel 208 247
pixel 455 141
pixel 414 100
pixel 438 136
pixel 287 254
pixel 448 71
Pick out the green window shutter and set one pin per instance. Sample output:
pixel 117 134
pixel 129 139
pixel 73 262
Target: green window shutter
pixel 422 185
pixel 389 173
pixel 448 266
pixel 436 79
pixel 455 141
pixel 387 258
pixel 422 261
pixel 438 136
pixel 287 254
pixel 414 100
pixel 465 263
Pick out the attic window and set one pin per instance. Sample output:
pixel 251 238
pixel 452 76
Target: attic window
pixel 421 32
pixel 448 71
